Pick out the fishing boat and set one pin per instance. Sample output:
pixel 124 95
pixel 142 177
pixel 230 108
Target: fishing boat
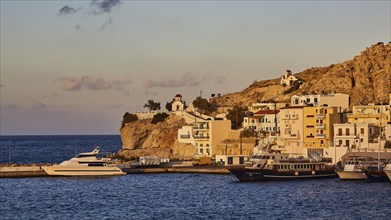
pixel 84 164
pixel 271 166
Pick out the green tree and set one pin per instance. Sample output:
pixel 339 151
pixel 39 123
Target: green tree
pixel 236 116
pixel 169 106
pixel 203 105
pixel 159 117
pixel 152 105
pixel 387 145
pixel 127 118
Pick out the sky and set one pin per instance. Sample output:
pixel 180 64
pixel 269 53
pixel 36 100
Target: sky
pixel 75 67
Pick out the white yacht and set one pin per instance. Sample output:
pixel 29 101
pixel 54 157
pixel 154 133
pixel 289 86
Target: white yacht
pixel 387 170
pixel 84 164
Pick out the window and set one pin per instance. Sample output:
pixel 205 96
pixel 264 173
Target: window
pixel 347 132
pixel 321 142
pixel 362 130
pixel 339 142
pixel 340 131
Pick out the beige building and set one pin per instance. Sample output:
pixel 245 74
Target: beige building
pixel 331 100
pixel 370 114
pixel 318 129
pixel 262 121
pixel 208 134
pixel 361 137
pixel 291 130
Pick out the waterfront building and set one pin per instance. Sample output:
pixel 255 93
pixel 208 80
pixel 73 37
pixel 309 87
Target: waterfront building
pixel 361 137
pixel 208 134
pixel 318 129
pixel 185 135
pixel 333 100
pixel 291 138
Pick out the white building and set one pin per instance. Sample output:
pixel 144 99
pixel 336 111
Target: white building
pixel 288 79
pixel 331 100
pixel 177 104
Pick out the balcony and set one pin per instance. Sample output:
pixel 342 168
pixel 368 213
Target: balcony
pixel 202 137
pixel 195 127
pixel 291 136
pixel 320 136
pixel 322 126
pixel 320 116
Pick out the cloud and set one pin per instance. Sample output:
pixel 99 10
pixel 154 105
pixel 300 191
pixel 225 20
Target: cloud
pixel 84 81
pixel 187 79
pixel 37 105
pixel 9 107
pixel 104 6
pixel 107 22
pixel 78 27
pixel 50 96
pixel 219 80
pixel 67 10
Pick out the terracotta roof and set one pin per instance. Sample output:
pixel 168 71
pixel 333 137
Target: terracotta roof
pixel 178 95
pixel 266 112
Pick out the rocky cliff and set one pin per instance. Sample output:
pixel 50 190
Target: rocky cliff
pixel 142 138
pixel 366 78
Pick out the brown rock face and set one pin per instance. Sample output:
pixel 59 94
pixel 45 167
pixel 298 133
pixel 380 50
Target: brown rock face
pixel 141 138
pixel 366 78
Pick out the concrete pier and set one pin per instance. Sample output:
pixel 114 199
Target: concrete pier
pixel 21 171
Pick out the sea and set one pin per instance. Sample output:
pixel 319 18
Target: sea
pixel 171 196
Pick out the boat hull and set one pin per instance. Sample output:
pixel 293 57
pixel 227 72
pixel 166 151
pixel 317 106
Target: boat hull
pixel 388 172
pixel 247 175
pixel 352 175
pixel 82 171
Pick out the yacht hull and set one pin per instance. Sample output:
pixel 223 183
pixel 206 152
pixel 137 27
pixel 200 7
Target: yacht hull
pixel 82 171
pixel 388 172
pixel 352 175
pixel 248 175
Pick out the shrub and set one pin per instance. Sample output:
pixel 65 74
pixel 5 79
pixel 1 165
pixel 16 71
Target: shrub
pixel 159 117
pixel 127 118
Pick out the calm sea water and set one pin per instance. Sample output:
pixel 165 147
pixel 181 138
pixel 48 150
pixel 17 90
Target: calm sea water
pixel 184 196
pixel 54 148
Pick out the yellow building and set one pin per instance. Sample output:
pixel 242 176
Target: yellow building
pixel 208 134
pixel 318 129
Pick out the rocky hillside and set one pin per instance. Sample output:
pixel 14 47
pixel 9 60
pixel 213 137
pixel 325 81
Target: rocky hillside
pixel 142 138
pixel 366 78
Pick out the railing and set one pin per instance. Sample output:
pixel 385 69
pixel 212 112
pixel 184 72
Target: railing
pixel 321 116
pixel 201 127
pixel 201 137
pixel 320 125
pixel 320 135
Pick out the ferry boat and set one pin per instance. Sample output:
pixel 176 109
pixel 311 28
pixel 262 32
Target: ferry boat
pixel 84 164
pixel 387 170
pixel 271 166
